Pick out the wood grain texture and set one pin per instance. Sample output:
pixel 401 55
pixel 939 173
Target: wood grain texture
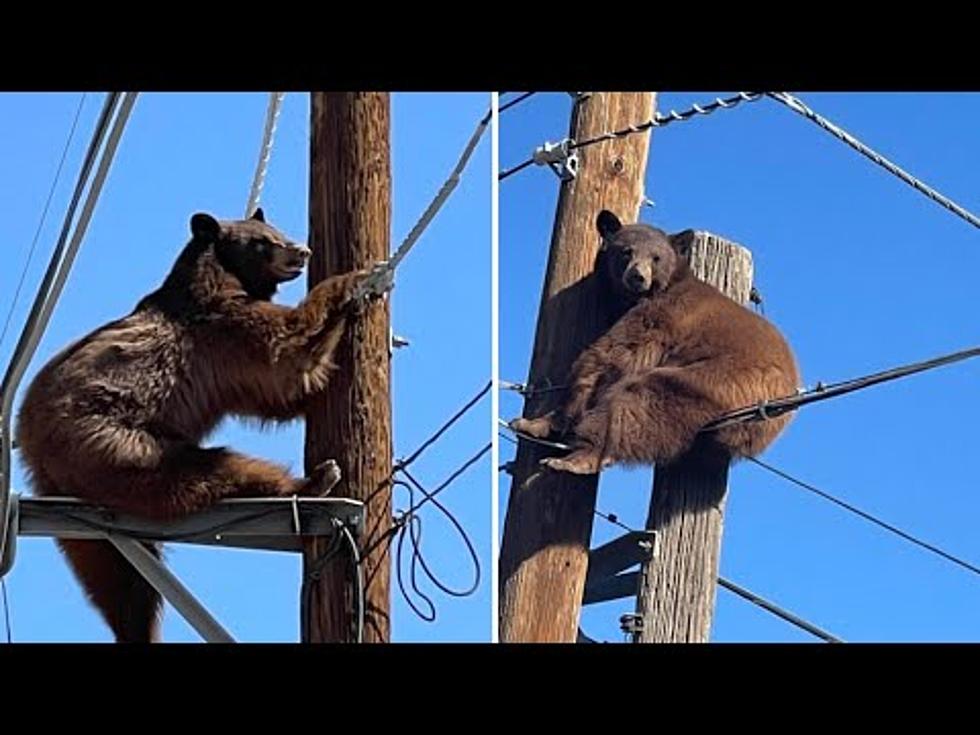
pixel 676 588
pixel 544 554
pixel 350 215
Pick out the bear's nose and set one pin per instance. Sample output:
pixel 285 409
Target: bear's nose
pixel 299 255
pixel 635 280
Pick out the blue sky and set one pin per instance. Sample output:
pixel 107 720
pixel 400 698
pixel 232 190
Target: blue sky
pixel 183 153
pixel 861 273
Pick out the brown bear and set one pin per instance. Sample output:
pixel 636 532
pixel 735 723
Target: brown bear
pixel 117 417
pixel 678 355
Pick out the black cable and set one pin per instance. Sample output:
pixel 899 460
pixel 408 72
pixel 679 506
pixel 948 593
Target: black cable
pixel 657 121
pixel 410 524
pixel 6 610
pixel 431 440
pixel 463 535
pixel 448 481
pixel 358 571
pixel 614 519
pixel 507 172
pixel 779 406
pixel 311 575
pixel 516 101
pixel 772 409
pixel 749 596
pixel 44 215
pixel 429 616
pixel 868 517
pixel 778 611
pixel 534 439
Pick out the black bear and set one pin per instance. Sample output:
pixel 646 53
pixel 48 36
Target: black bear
pixel 679 355
pixel 117 418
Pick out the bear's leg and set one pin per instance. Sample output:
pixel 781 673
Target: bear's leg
pixel 127 602
pixel 191 479
pixel 646 420
pixel 580 462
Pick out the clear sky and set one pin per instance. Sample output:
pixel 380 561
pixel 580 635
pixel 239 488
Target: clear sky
pixel 861 273
pixel 183 153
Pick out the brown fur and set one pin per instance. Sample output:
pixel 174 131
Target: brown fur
pixel 680 355
pixel 117 417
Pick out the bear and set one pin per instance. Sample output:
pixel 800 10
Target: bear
pixel 117 417
pixel 678 355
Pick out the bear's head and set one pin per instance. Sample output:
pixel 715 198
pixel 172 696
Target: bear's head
pixel 639 260
pixel 257 254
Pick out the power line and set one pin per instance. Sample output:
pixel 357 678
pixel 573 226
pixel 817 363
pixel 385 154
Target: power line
pixel 775 408
pixel 508 172
pixel 797 106
pixel 402 463
pixel 614 519
pixel 745 594
pixel 534 439
pixel 358 569
pixel 380 280
pixel 778 611
pixel 410 523
pixel 868 517
pixel 660 121
pixel 657 121
pixel 6 610
pixel 528 391
pixel 44 214
pixel 311 575
pixel 265 150
pixel 117 109
pixel 516 101
pixel 430 496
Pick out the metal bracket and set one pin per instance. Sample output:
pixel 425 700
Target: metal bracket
pixel 378 282
pixel 398 341
pixel 632 626
pixel 164 582
pixel 271 524
pixel 580 96
pixel 603 580
pixel 559 157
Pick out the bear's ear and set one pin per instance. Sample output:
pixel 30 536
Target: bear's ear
pixel 205 227
pixel 682 242
pixel 258 215
pixel 607 223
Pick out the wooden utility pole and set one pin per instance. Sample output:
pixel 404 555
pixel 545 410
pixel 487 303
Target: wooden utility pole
pixel 544 555
pixel 350 214
pixel 676 595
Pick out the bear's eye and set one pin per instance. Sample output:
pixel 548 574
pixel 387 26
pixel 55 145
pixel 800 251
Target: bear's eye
pixel 625 253
pixel 656 258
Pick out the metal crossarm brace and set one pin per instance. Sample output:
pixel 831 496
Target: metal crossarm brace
pixel 269 524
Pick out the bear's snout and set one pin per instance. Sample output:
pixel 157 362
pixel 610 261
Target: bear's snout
pixel 297 255
pixel 637 279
